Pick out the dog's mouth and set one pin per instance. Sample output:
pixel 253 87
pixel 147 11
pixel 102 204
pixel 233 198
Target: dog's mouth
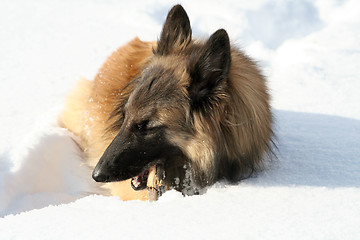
pixel 151 177
pixel 139 182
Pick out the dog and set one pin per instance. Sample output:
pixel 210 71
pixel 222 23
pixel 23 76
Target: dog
pixel 197 110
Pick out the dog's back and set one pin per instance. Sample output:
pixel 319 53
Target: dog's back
pixel 89 105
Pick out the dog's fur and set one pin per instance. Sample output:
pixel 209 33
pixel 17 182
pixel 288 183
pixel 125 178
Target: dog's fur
pixel 201 108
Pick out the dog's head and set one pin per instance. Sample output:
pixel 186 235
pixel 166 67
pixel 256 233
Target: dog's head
pixel 162 117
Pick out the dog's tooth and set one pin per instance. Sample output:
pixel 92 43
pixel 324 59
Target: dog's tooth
pixel 135 181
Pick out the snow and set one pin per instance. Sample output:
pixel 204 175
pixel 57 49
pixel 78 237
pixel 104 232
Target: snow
pixel 310 52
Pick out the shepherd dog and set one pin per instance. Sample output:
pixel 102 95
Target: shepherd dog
pixel 197 111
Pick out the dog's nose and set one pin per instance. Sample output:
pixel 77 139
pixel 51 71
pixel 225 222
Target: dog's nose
pixel 98 176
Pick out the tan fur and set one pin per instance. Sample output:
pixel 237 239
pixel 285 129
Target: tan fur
pixel 88 107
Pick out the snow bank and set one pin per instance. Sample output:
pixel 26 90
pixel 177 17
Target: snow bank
pixel 46 167
pixel 310 53
pixel 229 213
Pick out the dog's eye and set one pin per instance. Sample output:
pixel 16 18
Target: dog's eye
pixel 143 126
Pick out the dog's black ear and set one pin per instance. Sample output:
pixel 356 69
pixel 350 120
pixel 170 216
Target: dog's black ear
pixel 176 33
pixel 209 69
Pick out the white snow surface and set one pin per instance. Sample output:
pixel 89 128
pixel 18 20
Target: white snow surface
pixel 310 53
